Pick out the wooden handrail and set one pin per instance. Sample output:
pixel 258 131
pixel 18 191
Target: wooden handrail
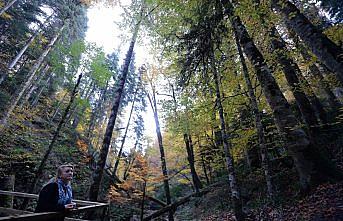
pixel 35 196
pixel 16 212
pixel 19 215
pixel 50 215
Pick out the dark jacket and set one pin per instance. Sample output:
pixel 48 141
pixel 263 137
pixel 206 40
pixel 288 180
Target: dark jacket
pixel 48 198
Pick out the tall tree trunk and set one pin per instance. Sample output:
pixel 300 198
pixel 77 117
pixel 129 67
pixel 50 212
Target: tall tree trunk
pixel 41 166
pixel 204 169
pixel 311 165
pixel 39 93
pixel 318 106
pixel 190 156
pixel 320 45
pixel 235 193
pixel 31 76
pixel 96 111
pixel 27 45
pixel 100 165
pixel 203 163
pixel 124 137
pixel 58 107
pixel 319 78
pixel 291 71
pixel 35 85
pixel 130 163
pixel 258 121
pixel 143 199
pixel 153 105
pixel 9 4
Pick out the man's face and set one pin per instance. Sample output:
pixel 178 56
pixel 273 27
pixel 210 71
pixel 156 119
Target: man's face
pixel 67 174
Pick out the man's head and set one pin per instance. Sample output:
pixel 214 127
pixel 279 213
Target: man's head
pixel 65 172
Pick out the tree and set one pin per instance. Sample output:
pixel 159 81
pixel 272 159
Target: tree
pixel 7 6
pixel 153 105
pixel 320 45
pixel 308 159
pixel 98 173
pixel 258 120
pixel 32 73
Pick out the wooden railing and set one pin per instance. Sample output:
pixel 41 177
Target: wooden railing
pixel 20 215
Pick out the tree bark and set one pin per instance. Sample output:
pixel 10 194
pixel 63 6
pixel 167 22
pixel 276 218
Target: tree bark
pixel 153 104
pixel 27 45
pixel 96 111
pixel 258 121
pixel 36 99
pixel 9 4
pixel 58 107
pixel 204 169
pixel 35 85
pixel 190 156
pixel 41 166
pixel 235 192
pixel 143 199
pixel 292 71
pixel 311 165
pixel 124 137
pixel 31 75
pixel 100 165
pixel 319 78
pixel 320 45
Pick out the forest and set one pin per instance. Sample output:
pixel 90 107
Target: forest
pixel 244 96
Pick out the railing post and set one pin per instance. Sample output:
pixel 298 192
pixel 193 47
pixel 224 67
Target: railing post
pixel 7 183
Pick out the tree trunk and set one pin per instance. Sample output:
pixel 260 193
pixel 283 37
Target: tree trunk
pixel 190 157
pixel 100 165
pixel 27 45
pixel 322 115
pixel 320 45
pixel 34 87
pixel 124 137
pixel 319 78
pixel 163 158
pixel 9 4
pixel 130 163
pixel 29 81
pixel 311 165
pixel 143 199
pixel 36 99
pixel 235 193
pixel 258 121
pixel 173 206
pixel 41 166
pixel 96 111
pixel 58 107
pixel 291 70
pixel 204 169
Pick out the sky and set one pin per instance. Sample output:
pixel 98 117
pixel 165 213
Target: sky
pixel 103 30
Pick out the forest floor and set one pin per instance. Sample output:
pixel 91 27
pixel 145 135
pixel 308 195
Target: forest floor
pixel 325 203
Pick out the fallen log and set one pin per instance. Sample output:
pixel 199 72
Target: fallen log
pixel 174 205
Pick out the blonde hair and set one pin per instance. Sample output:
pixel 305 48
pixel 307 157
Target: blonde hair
pixel 59 169
pixel 59 172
